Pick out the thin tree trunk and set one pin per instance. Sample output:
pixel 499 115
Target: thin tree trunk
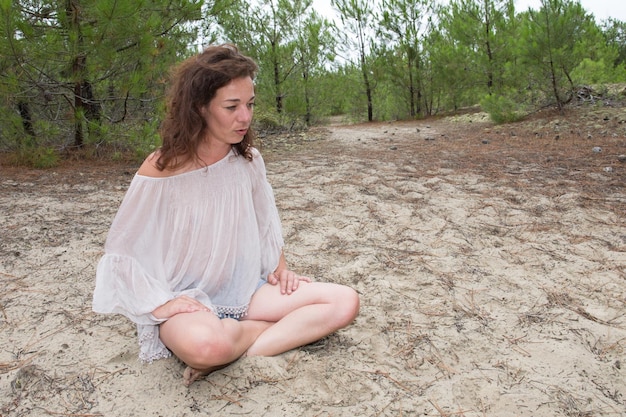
pixel 411 90
pixel 307 100
pixel 72 9
pixel 27 119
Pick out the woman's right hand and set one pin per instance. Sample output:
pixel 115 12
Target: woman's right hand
pixel 182 304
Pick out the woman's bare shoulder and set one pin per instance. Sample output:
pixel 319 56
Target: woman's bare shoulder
pixel 149 169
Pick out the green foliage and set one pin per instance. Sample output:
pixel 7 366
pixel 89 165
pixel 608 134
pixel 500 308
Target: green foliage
pixel 598 72
pixel 480 33
pixel 126 141
pixel 501 108
pixel 146 140
pixel 284 36
pixel 32 155
pixel 554 41
pixel 359 40
pixel 86 66
pixel 267 119
pixel 342 93
pixel 42 158
pixel 94 76
pixel 401 25
pixel 11 131
pixel 614 33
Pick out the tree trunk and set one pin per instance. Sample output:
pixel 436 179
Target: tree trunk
pixel 79 139
pixel 72 9
pixel 411 90
pixel 279 96
pixel 488 49
pixel 307 100
pixel 27 119
pixel 368 92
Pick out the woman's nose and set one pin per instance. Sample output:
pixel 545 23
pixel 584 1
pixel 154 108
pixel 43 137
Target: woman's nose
pixel 245 115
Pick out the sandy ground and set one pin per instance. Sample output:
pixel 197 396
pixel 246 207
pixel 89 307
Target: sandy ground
pixel 491 263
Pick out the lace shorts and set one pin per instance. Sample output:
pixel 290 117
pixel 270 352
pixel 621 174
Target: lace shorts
pixel 237 316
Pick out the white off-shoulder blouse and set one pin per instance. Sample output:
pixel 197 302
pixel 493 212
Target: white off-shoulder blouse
pixel 210 234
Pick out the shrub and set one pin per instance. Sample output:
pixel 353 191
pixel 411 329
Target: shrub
pixel 265 119
pixel 39 157
pixel 501 109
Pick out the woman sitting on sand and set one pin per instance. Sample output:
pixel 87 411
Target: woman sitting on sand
pixel 194 255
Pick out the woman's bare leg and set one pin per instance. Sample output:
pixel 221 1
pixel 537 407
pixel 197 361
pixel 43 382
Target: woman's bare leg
pixel 205 343
pixel 310 313
pixel 275 324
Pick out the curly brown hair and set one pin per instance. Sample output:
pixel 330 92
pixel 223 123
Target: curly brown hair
pixel 194 83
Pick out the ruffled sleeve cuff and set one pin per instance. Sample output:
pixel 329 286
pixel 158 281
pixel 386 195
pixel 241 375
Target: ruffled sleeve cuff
pixel 124 287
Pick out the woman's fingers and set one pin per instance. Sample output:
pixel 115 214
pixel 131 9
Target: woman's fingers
pixel 288 280
pixel 182 304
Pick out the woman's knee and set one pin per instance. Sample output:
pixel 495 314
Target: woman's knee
pixel 205 351
pixel 197 343
pixel 347 304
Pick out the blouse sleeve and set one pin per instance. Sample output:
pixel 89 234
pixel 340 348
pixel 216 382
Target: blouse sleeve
pixel 131 278
pixel 119 279
pixel 268 219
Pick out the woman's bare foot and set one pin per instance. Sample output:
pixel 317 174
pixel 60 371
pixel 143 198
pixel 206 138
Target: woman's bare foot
pixel 192 374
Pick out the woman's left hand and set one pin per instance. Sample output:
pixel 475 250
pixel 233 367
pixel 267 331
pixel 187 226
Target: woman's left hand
pixel 288 280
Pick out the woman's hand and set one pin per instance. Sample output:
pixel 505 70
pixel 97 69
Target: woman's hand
pixel 288 280
pixel 182 304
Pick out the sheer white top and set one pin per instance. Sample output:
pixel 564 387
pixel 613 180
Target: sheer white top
pixel 210 234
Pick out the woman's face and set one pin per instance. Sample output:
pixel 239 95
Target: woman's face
pixel 229 114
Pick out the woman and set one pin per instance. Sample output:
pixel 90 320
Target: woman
pixel 194 255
